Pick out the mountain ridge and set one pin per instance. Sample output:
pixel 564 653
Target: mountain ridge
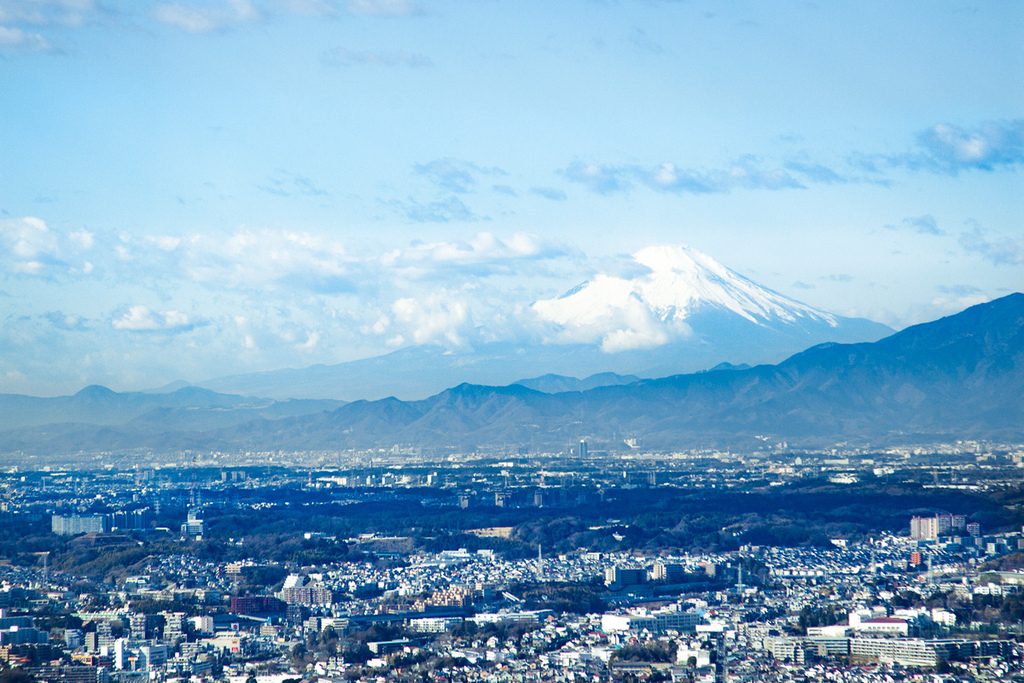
pixel 99 405
pixel 551 383
pixel 864 391
pixel 960 377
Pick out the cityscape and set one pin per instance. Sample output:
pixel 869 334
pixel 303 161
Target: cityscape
pixel 689 566
pixel 478 341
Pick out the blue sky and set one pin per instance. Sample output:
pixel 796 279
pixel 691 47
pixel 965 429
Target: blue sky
pixel 192 189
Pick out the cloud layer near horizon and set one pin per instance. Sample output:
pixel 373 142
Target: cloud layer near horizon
pixel 200 305
pixel 253 297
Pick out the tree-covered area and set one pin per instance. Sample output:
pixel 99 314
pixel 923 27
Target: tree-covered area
pixel 655 520
pixel 1006 563
pixel 810 616
pixel 650 651
pixel 991 609
pixel 569 598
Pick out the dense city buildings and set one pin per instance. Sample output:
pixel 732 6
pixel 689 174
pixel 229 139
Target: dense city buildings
pixel 698 566
pixel 930 528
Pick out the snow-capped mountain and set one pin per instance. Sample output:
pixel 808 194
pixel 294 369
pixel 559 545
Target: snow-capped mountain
pixel 681 311
pixel 652 308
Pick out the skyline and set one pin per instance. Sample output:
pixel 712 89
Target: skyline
pixel 196 190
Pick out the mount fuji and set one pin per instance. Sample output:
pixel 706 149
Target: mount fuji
pixel 655 307
pixel 678 311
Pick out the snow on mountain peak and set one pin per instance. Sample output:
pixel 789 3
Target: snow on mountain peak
pixel 651 309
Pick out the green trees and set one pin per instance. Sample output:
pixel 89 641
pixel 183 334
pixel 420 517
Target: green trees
pixel 651 651
pixel 818 617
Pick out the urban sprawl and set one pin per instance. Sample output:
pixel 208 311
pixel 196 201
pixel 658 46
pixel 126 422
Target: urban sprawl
pixel 840 565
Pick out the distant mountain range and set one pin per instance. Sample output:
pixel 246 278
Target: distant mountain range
pixel 556 384
pixel 678 311
pixel 185 408
pixel 961 377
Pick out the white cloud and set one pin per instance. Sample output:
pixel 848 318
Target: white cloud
pixel 607 311
pixel 28 247
pixel 630 339
pixel 266 298
pixel 47 12
pixel 82 238
pixel 552 193
pixel 924 225
pixel 378 328
pixel 635 328
pixel 140 318
pixel 193 16
pixel 438 317
pixel 13 39
pixel 484 254
pixel 188 19
pixel 19 19
pixel 24 249
pixel 242 326
pixel 953 148
pixel 137 318
pixel 392 8
pixel 603 179
pixel 29 267
pixel 952 303
pixel 1000 250
pixel 203 19
pixel 747 172
pixel 166 242
pixel 287 184
pixel 950 149
pixel 264 259
pixel 286 262
pixel 448 210
pixel 310 7
pixel 454 175
pixel 311 342
pixel 175 319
